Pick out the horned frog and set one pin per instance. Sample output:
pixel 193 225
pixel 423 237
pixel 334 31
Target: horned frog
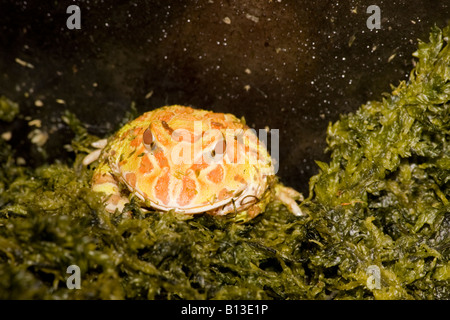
pixel 191 161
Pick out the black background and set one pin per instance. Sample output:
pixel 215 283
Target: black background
pixel 309 61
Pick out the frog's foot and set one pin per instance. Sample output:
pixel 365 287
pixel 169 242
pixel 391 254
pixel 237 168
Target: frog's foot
pixel 249 213
pixel 104 182
pixel 94 155
pixel 289 198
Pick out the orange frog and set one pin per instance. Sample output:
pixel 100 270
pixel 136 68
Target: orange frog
pixel 191 161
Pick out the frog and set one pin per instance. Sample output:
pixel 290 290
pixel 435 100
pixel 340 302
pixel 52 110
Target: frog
pixel 189 161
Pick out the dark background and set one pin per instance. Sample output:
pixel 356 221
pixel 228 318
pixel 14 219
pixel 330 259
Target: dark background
pixel 309 61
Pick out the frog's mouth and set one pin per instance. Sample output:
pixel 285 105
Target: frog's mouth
pixel 239 201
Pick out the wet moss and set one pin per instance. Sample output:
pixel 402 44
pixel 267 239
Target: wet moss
pixel 381 201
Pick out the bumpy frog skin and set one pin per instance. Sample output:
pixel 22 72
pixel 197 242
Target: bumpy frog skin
pixel 191 161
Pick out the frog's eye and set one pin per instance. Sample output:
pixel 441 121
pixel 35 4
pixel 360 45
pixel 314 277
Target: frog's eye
pixel 147 140
pixel 219 148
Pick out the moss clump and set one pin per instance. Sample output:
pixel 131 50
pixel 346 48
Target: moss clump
pixel 8 109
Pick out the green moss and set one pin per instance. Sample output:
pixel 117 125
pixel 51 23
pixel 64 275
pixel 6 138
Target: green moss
pixel 8 109
pixel 387 184
pixel 381 201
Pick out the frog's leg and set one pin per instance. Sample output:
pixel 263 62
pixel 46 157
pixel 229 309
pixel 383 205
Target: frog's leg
pixel 288 197
pixel 104 181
